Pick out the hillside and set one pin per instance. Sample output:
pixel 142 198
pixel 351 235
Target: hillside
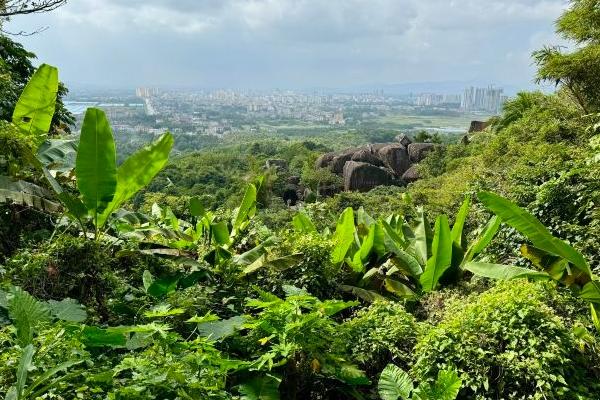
pixel 144 274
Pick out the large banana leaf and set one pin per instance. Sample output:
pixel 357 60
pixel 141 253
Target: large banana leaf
pixel 58 153
pixel 245 211
pixel 423 237
pixel 34 111
pixel 503 272
pixel 137 172
pixel 303 224
pixel 459 223
pixel 27 194
pixel 96 164
pixel 343 236
pixel 441 255
pixel 528 225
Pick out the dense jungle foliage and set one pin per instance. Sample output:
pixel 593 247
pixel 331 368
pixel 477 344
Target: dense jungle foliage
pixel 190 278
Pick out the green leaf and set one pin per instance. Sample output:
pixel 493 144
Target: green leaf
pixel 398 288
pixel 343 236
pixel 35 108
pixel 23 369
pixel 138 171
pixel 533 229
pixel 459 224
pixel 303 224
pixel 67 310
pixel 348 373
pixel 260 388
pixel 594 314
pixel 406 263
pixel 441 258
pixel 366 295
pixel 423 237
pixel 49 374
pixel 26 313
pixel 12 394
pixel 246 210
pixel 488 233
pixel 253 254
pixel 220 233
pixel 217 330
pixel 446 387
pixel 163 286
pixel 58 151
pixel 503 272
pixel 196 207
pixel 96 165
pixel 394 384
pixel 591 292
pixel 93 336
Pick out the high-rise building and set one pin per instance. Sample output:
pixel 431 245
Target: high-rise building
pixel 483 99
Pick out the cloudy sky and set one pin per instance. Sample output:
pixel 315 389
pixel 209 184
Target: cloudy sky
pixel 291 43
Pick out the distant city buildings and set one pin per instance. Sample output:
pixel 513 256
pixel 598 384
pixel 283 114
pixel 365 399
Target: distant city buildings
pixel 432 99
pixel 483 99
pixel 145 93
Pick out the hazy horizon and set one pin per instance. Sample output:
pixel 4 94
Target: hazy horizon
pixel 286 44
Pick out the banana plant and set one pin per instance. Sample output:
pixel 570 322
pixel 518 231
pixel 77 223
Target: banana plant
pixel 406 259
pixel 554 258
pixel 103 187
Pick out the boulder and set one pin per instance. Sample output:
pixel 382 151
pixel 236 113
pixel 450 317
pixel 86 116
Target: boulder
pixel 403 139
pixel 324 160
pixel 478 126
pixel 363 177
pixel 411 175
pixel 417 151
pixel 395 157
pixel 337 163
pixel 368 156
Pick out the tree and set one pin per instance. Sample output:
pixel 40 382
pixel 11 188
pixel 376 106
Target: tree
pixel 9 8
pixel 577 72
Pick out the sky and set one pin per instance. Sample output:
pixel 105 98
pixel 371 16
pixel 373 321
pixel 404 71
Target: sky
pixel 291 44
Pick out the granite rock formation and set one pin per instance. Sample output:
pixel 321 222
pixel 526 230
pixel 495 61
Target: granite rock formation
pixel 373 165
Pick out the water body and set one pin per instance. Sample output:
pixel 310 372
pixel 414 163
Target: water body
pixel 79 107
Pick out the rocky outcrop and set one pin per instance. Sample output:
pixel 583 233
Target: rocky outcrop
pixel 417 151
pixel 366 155
pixel 478 126
pixel 324 160
pixel 362 177
pixel 395 157
pixel 373 165
pixel 338 161
pixel 411 175
pixel 403 139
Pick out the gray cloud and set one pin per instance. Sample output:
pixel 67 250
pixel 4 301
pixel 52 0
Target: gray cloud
pixel 292 43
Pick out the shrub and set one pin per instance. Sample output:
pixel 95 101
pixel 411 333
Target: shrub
pixel 506 344
pixel 382 333
pixel 314 272
pixel 85 270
